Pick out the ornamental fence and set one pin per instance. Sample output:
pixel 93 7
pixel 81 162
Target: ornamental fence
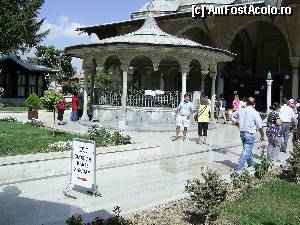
pixel 139 98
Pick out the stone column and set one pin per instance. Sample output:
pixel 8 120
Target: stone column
pixel 92 82
pixel 213 94
pixel 220 89
pixel 281 94
pixel 269 95
pixel 162 81
pixel 295 81
pixel 122 122
pixel 85 96
pixel 203 77
pixel 213 75
pixel 183 84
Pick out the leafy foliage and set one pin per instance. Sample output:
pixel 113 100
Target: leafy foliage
pixel 240 180
pixel 33 101
pixel 1 91
pixel 262 168
pixel 54 58
pixel 104 138
pixel 292 171
pixel 35 123
pixel 76 219
pixel 103 80
pixel 8 119
pixel 207 194
pixel 51 99
pixel 71 87
pixel 19 26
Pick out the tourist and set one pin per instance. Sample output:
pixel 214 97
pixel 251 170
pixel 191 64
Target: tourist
pixel 274 132
pixel 243 103
pixel 222 109
pixel 209 104
pixel 74 113
pixel 183 115
pixel 249 121
pixel 236 103
pixel 80 105
pixel 61 107
pixel 203 120
pixel 287 116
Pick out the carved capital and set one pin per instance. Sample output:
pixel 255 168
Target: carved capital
pixel 295 62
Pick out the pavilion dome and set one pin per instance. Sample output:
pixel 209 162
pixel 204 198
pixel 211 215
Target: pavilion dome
pixel 151 34
pixel 217 2
pixel 162 6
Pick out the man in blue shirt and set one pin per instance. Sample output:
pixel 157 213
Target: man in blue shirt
pixel 183 114
pixel 249 122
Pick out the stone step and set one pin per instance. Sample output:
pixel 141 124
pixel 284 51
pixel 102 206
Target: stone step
pixel 38 166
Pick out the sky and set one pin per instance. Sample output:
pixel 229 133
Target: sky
pixel 62 17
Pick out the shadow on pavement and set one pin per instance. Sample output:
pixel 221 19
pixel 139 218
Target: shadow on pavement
pixel 15 210
pixel 227 163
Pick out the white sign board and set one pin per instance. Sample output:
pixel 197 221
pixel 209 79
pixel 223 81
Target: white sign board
pixel 83 163
pixel 159 92
pixel 150 93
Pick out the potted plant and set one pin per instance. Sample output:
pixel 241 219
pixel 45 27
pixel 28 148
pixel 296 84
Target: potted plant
pixel 34 103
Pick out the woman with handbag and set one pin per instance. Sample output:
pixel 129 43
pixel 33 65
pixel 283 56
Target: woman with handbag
pixel 203 120
pixel 274 132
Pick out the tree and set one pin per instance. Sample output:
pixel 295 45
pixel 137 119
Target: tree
pixel 19 26
pixel 51 99
pixel 103 80
pixel 54 58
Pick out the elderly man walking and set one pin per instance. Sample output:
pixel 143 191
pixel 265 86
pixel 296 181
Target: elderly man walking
pixel 183 115
pixel 287 115
pixel 249 122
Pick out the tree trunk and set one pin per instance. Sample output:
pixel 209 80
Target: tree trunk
pixel 53 122
pixel 207 219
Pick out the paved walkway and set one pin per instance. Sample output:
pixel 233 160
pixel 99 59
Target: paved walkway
pixel 132 187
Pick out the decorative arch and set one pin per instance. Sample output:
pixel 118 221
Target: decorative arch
pixel 236 30
pixel 196 34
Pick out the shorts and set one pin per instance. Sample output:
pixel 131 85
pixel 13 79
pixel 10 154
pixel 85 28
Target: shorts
pixel 182 121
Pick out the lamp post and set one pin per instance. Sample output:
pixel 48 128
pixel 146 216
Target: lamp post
pixel 269 91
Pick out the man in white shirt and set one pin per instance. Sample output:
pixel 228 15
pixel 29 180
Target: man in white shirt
pixel 249 122
pixel 287 115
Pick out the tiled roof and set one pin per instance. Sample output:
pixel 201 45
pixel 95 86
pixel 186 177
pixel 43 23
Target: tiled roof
pixel 26 65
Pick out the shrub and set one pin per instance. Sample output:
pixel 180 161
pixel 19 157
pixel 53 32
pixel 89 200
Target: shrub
pixel 292 171
pixel 60 146
pixel 50 101
pixel 76 219
pixel 33 101
pixel 1 92
pixel 8 119
pixel 262 168
pixel 35 123
pixel 104 138
pixel 240 180
pixel 207 195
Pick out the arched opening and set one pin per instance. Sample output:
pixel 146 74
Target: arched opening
pixel 141 75
pixel 194 77
pixel 199 36
pixel 112 68
pixel 170 69
pixel 260 47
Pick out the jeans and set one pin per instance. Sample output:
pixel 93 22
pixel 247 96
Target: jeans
pixel 74 117
pixel 285 131
pixel 248 140
pixel 273 147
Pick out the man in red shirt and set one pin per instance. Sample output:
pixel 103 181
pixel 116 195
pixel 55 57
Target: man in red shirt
pixel 74 114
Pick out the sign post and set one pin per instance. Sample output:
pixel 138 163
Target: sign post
pixel 83 166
